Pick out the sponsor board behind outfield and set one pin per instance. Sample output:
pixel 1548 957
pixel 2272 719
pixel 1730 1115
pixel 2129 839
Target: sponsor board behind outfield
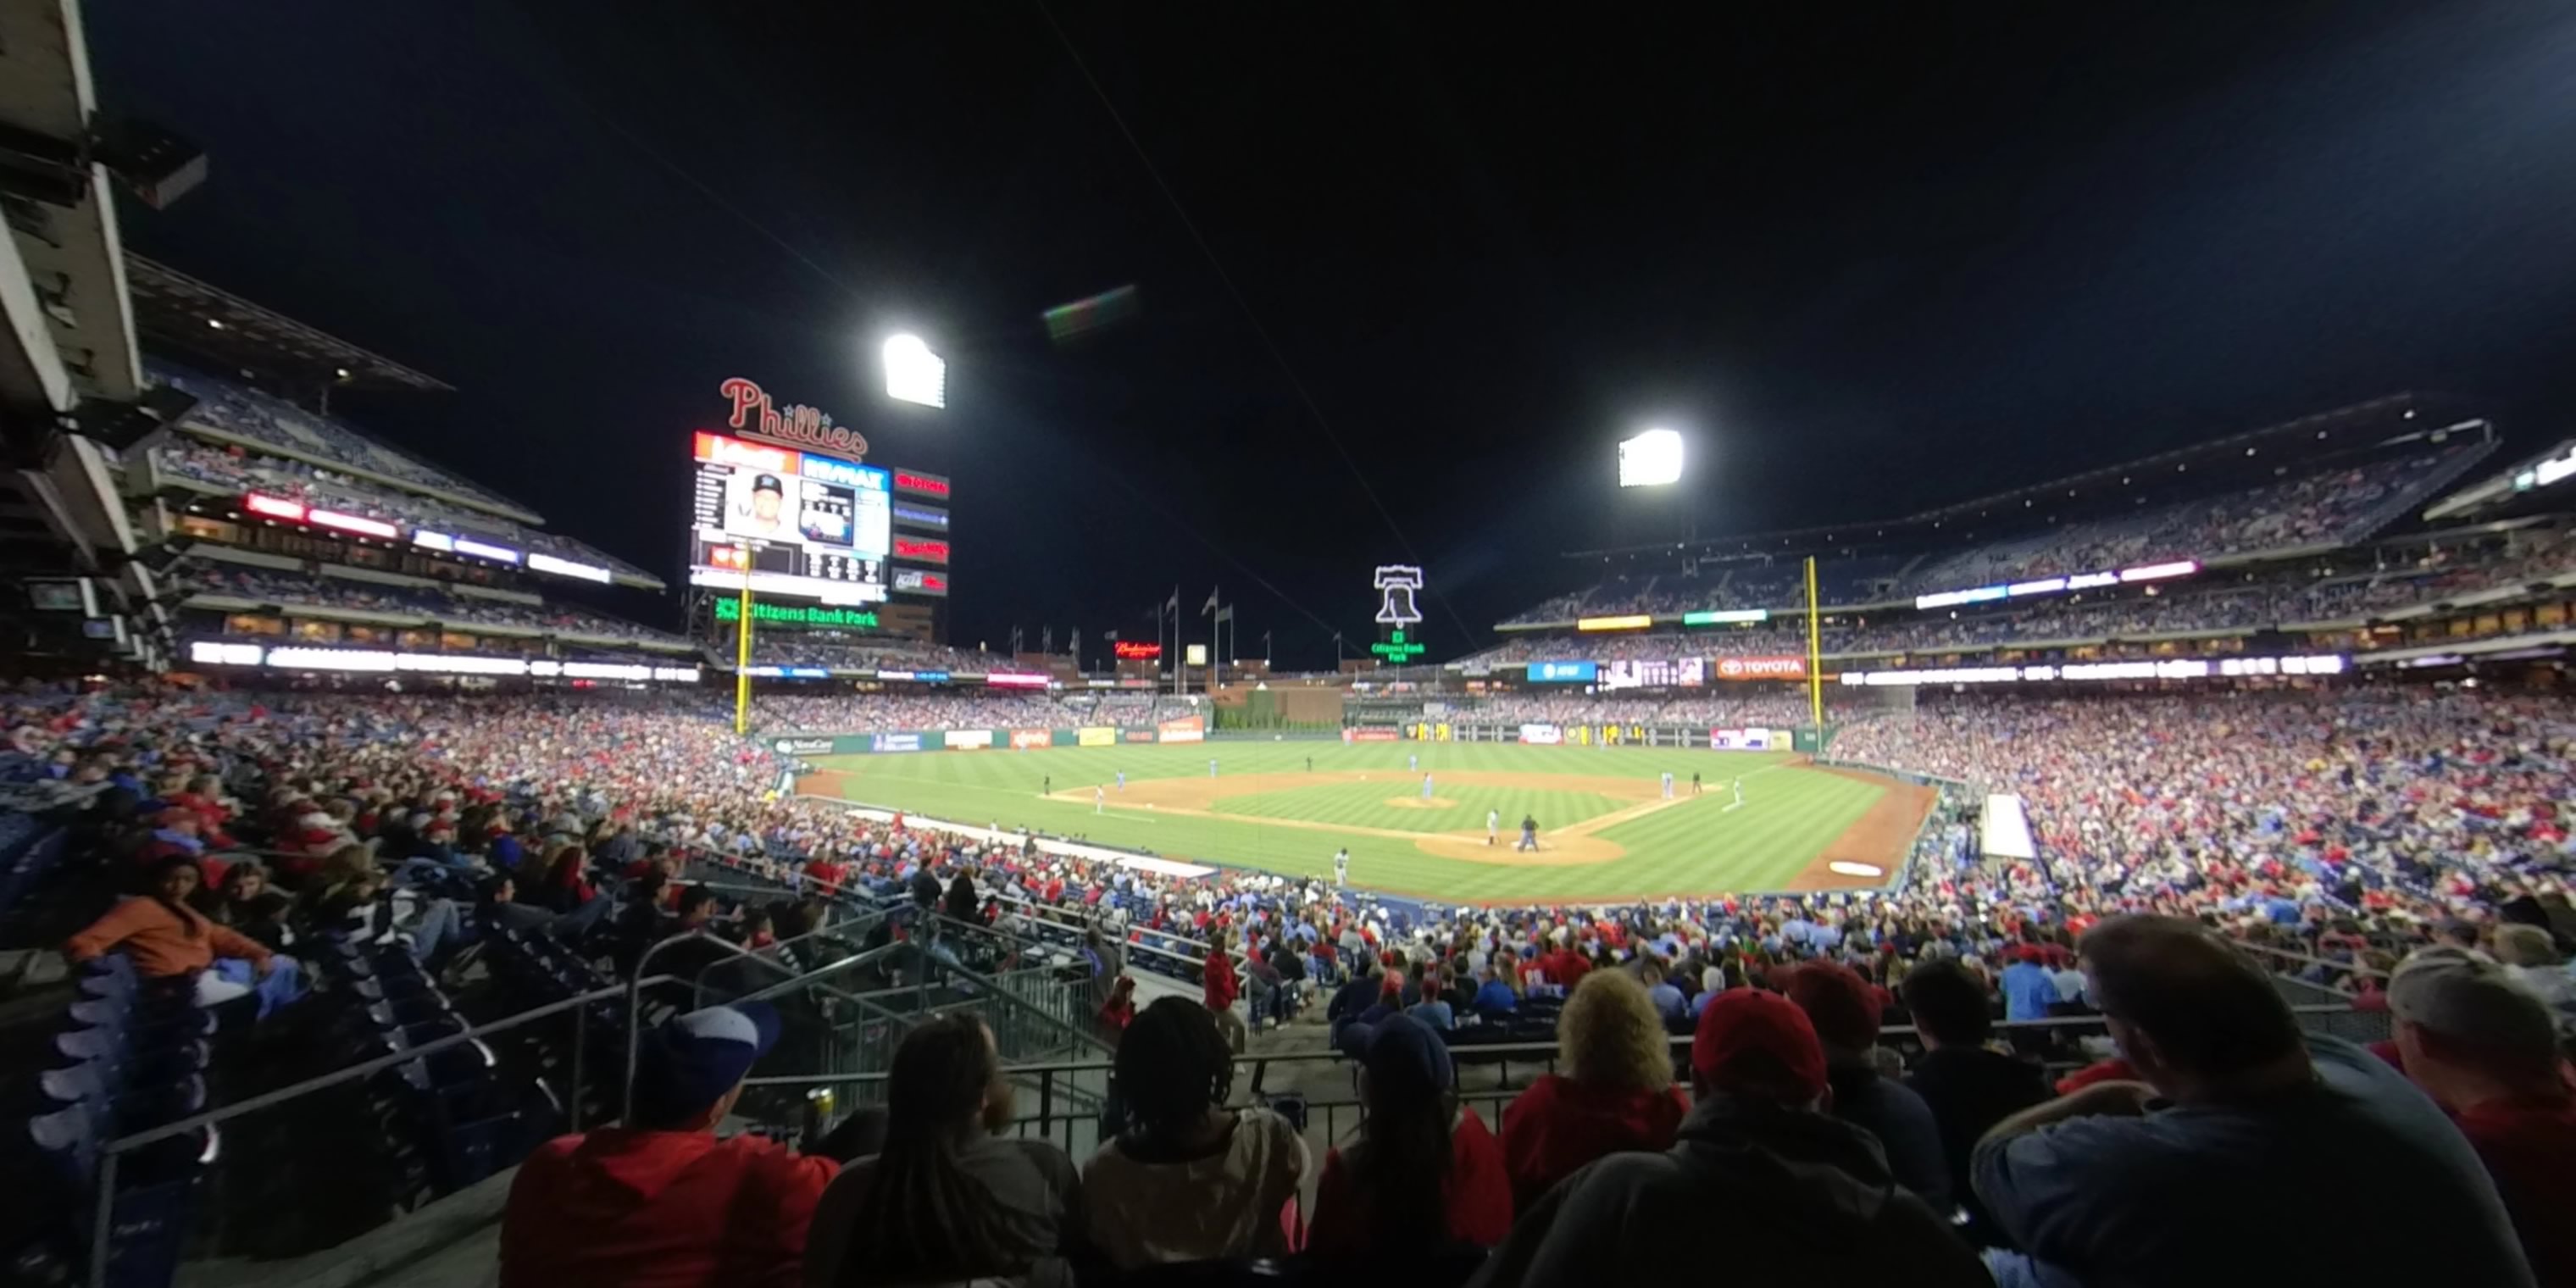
pixel 807 746
pixel 969 739
pixel 894 742
pixel 1185 729
pixel 1777 667
pixel 1376 734
pixel 1024 739
pixel 1095 737
pixel 1543 735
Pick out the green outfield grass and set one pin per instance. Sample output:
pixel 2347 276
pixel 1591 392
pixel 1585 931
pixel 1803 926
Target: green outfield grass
pixel 1289 818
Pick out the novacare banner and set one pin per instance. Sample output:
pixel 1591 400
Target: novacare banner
pixel 1545 735
pixel 807 746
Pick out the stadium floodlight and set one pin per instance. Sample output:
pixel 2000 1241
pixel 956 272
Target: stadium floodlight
pixel 1651 458
pixel 913 373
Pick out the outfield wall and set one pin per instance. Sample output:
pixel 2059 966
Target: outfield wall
pixel 1187 729
pixel 1542 734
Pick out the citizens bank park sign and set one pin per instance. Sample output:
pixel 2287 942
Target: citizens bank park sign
pixel 798 426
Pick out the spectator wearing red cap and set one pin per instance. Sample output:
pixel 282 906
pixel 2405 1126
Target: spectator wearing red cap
pixel 1425 1175
pixel 2029 990
pixel 1839 1004
pixel 2485 1047
pixel 663 1203
pixel 1790 1194
pixel 1616 1092
pixel 2242 1135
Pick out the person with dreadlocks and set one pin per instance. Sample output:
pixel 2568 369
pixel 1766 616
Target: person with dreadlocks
pixel 1187 1179
pixel 167 939
pixel 1425 1176
pixel 948 1200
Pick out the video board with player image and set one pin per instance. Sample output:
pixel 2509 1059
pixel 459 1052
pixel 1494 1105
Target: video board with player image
pixel 804 524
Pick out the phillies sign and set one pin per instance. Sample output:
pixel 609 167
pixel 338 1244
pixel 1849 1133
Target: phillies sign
pixel 1762 668
pixel 799 425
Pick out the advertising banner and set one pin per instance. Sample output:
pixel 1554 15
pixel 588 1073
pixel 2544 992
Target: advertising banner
pixel 1024 739
pixel 807 746
pixel 1095 737
pixel 969 739
pixel 894 742
pixel 1563 672
pixel 1137 735
pixel 1379 733
pixel 1185 729
pixel 1741 740
pixel 1543 735
pixel 1774 667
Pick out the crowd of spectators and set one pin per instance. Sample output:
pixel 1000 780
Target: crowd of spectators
pixel 2286 599
pixel 880 712
pixel 1723 710
pixel 245 412
pixel 237 471
pixel 787 648
pixel 284 589
pixel 2324 507
pixel 2354 828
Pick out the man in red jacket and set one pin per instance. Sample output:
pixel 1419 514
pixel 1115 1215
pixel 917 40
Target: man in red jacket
pixel 1223 986
pixel 664 1203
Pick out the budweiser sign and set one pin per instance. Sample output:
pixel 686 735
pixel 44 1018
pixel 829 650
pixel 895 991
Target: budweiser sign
pixel 799 425
pixel 1762 668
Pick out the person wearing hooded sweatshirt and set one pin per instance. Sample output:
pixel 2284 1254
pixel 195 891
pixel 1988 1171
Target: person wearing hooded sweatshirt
pixel 664 1203
pixel 1790 1194
pixel 1844 1013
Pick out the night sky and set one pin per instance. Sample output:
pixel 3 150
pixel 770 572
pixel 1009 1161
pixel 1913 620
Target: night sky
pixel 1867 260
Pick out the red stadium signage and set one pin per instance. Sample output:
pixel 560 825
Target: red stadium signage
pixel 1134 651
pixel 1762 668
pixel 1370 735
pixel 1185 729
pixel 925 484
pixel 917 548
pixel 800 425
pixel 1138 735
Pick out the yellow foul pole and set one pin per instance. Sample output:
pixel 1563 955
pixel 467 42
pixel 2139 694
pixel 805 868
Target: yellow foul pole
pixel 1815 654
pixel 742 655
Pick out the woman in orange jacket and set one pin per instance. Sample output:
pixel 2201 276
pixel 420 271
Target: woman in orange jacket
pixel 167 939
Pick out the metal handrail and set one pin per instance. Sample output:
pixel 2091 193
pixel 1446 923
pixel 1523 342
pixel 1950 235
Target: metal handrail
pixel 1474 1049
pixel 104 1208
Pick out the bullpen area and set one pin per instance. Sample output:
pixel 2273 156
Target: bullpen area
pixel 1606 830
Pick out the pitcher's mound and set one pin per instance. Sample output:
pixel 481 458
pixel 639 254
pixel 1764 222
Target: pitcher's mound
pixel 1416 802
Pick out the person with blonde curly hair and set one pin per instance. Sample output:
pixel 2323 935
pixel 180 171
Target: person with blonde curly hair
pixel 1614 1090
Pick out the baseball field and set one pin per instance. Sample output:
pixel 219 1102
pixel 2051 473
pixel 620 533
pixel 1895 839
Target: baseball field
pixel 1606 831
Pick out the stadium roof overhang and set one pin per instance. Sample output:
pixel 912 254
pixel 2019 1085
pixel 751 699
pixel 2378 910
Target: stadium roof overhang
pixel 63 277
pixel 2532 485
pixel 195 317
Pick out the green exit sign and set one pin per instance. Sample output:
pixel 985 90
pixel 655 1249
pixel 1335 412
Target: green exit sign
pixel 1396 648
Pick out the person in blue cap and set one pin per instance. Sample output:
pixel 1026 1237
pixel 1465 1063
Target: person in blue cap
pixel 662 1202
pixel 1424 1175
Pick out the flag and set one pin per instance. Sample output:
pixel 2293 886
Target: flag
pixel 1225 614
pixel 1174 607
pixel 1111 636
pixel 1210 606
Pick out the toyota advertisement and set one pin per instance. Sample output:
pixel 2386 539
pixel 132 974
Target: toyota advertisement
pixel 1775 667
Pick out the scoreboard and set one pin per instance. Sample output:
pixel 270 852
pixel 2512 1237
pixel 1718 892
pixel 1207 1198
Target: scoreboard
pixel 801 523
